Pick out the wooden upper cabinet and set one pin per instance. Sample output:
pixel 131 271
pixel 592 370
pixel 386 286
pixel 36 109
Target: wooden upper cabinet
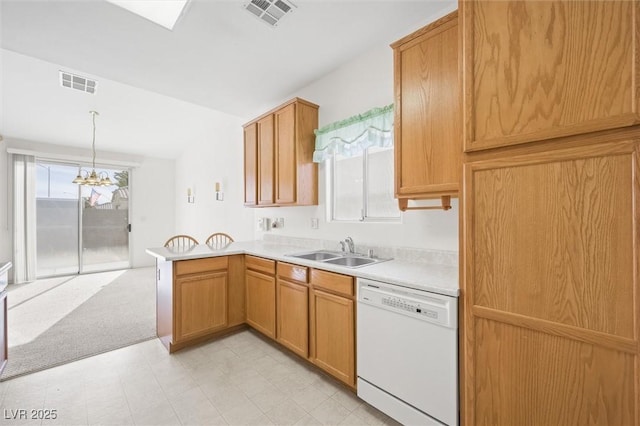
pixel 285 120
pixel 544 69
pixel 428 137
pixel 250 164
pixel 265 160
pixel 286 173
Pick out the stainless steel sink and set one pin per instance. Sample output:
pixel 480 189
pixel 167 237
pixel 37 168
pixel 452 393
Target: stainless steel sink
pixel 319 255
pixel 352 262
pixel 349 260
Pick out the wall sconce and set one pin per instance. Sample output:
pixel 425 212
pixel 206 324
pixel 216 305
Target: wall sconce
pixel 219 193
pixel 190 197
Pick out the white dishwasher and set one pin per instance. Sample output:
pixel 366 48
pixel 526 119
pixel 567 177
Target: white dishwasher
pixel 407 346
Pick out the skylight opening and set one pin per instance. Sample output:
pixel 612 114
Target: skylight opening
pixel 161 12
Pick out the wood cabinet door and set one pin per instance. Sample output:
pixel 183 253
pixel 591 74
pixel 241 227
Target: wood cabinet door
pixel 428 145
pixel 200 305
pixel 285 154
pixel 293 316
pixel 551 290
pixel 536 70
pixel 250 164
pixel 265 160
pixel 332 335
pixel 261 302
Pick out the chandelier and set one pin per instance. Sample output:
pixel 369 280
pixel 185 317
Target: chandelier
pixel 93 178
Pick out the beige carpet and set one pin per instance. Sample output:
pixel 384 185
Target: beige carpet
pixel 60 320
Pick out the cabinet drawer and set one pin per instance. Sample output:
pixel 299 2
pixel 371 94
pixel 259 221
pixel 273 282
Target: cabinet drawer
pixel 259 264
pixel 334 282
pixel 201 265
pixel 293 272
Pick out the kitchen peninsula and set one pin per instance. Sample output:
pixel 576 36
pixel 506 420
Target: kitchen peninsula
pixel 204 292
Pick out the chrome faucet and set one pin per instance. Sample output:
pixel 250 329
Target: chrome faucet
pixel 348 245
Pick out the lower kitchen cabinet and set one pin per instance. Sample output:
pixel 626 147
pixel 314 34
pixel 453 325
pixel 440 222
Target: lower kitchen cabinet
pixel 261 295
pixel 201 304
pixel 293 308
pixel 332 331
pixel 194 298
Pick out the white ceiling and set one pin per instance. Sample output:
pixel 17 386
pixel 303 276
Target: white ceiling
pixel 218 55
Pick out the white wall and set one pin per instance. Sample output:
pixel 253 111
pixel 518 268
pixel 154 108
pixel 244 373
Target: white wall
pixel 132 121
pixel 364 83
pixel 5 233
pixel 217 158
pixel 151 213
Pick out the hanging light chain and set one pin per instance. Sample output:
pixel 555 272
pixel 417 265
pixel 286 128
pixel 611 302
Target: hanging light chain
pixel 93 179
pixel 93 144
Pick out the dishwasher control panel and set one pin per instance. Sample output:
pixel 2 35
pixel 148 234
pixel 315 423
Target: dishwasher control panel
pixel 409 306
pixel 435 308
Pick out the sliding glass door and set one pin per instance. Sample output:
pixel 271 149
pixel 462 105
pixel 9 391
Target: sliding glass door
pixel 80 228
pixel 104 230
pixel 57 218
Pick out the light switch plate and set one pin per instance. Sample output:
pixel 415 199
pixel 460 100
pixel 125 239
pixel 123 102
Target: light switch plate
pixel 315 223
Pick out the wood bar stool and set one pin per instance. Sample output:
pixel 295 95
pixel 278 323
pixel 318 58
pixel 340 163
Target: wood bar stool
pixel 219 240
pixel 181 241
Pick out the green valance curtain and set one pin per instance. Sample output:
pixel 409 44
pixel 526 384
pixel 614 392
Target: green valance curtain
pixel 352 136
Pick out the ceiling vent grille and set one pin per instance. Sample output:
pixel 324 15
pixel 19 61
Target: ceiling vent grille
pixel 270 11
pixel 77 82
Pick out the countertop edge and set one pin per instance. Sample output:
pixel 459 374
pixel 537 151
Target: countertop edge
pixel 371 272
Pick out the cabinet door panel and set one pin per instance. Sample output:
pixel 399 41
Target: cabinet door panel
pixel 201 305
pixel 527 377
pixel 428 146
pixel 293 316
pixel 261 302
pixel 250 164
pixel 285 143
pixel 332 335
pixel 551 286
pixel 265 160
pixel 544 69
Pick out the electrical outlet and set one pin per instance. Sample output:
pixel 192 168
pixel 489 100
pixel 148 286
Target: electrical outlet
pixel 264 224
pixel 315 223
pixel 278 222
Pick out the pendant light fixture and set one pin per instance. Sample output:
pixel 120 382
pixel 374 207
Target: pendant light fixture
pixel 93 178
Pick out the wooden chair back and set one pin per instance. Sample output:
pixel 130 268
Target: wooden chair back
pixel 219 240
pixel 181 241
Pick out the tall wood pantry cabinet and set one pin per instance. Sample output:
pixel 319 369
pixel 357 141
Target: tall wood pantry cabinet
pixel 551 323
pixel 278 156
pixel 427 130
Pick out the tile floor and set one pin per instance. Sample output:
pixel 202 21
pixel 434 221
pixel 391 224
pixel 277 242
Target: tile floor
pixel 240 379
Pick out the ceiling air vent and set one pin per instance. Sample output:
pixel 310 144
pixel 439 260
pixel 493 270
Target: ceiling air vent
pixel 270 11
pixel 73 81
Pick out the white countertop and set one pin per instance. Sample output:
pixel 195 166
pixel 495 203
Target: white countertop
pixel 442 279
